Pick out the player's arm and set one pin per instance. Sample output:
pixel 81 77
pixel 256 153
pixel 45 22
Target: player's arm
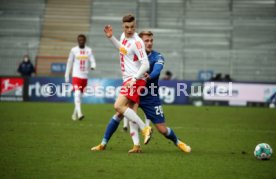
pixel 115 42
pixel 109 34
pixel 92 61
pixel 140 52
pixel 157 68
pixel 69 66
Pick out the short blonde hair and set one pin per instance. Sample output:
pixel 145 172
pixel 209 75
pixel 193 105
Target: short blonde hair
pixel 145 32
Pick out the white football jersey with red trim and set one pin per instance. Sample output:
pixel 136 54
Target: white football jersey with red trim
pixel 132 52
pixel 83 60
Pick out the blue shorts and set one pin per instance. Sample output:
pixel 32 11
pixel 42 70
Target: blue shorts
pixel 154 113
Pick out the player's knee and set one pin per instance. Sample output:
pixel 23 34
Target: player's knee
pixel 118 108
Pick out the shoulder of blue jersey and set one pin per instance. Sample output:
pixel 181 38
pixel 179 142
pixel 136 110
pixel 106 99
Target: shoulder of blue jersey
pixel 159 58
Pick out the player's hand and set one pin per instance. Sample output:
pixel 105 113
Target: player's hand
pixel 67 79
pixel 147 76
pixel 130 83
pixel 108 31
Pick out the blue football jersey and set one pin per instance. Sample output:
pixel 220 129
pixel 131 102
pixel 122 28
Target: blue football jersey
pixel 156 61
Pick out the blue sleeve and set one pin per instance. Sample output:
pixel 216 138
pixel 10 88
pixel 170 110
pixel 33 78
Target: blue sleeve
pixel 158 66
pixel 156 70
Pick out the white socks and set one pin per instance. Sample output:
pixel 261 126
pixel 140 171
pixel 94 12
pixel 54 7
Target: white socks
pixel 134 133
pixel 147 121
pixel 75 113
pixel 125 122
pixel 77 100
pixel 132 116
pixel 134 129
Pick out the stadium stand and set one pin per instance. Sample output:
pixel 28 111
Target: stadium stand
pixel 235 37
pixel 20 26
pixel 168 32
pixel 63 21
pixel 254 40
pixel 239 38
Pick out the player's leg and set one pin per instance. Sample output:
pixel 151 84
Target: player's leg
pixel 77 87
pixel 134 133
pixel 75 114
pixel 157 117
pixel 169 134
pixel 110 129
pixel 147 121
pixel 125 125
pixel 77 100
pixel 126 100
pixel 121 106
pixel 82 89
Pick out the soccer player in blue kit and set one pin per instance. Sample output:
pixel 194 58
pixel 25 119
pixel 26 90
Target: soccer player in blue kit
pixel 150 102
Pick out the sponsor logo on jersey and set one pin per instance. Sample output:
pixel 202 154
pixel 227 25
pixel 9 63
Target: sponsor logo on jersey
pixel 123 51
pixel 82 57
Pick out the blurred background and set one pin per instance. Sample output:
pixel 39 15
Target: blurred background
pixel 201 40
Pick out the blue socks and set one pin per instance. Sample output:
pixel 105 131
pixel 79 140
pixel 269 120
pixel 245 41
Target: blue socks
pixel 171 135
pixel 110 129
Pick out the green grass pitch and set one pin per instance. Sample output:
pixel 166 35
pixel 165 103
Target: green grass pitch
pixel 39 140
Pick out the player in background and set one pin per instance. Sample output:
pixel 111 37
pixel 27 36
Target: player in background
pixel 134 63
pixel 150 103
pixel 81 58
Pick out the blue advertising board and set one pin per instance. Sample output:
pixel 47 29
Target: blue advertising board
pixel 58 67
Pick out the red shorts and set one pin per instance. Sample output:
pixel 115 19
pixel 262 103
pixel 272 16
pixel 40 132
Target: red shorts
pixel 133 93
pixel 79 84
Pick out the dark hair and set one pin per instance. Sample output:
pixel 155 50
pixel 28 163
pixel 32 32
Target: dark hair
pixel 148 33
pixel 128 18
pixel 168 73
pixel 82 35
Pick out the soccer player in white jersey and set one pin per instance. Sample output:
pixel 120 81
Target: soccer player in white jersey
pixel 82 59
pixel 134 63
